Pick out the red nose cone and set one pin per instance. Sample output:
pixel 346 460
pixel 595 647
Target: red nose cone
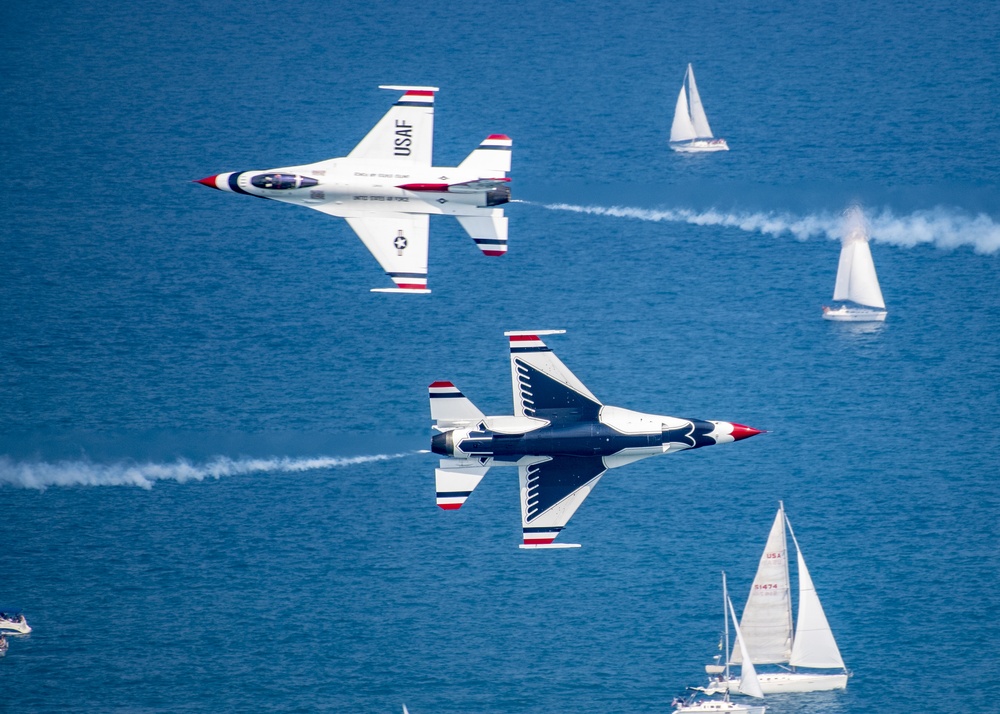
pixel 744 432
pixel 208 181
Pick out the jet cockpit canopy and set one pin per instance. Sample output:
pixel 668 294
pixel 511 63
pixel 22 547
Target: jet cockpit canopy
pixel 281 182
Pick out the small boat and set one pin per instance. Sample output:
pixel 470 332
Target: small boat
pixel 690 131
pixel 856 278
pixel 3 645
pixel 746 685
pixel 12 621
pixel 767 627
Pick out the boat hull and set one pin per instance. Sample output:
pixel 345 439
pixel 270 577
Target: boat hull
pixel 16 628
pixel 718 706
pixel 849 314
pixel 700 146
pixel 781 682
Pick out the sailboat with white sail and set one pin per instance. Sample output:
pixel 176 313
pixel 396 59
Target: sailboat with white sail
pixel 767 627
pixel 690 131
pixel 856 278
pixel 747 683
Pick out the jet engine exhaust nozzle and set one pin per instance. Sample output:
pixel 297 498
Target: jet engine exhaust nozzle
pixel 442 444
pixel 498 196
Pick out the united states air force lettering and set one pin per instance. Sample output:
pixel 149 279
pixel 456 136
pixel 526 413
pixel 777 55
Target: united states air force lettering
pixel 404 137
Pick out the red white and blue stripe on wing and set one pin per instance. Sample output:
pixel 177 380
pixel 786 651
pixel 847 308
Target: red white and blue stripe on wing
pixel 409 281
pixel 521 342
pixel 416 98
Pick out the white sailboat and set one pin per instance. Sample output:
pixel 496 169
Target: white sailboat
pixel 690 131
pixel 856 278
pixel 767 626
pixel 747 684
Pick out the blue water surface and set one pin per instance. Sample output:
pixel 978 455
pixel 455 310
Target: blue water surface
pixel 211 496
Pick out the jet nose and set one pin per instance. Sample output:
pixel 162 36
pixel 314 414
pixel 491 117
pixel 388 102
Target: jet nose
pixel 440 443
pixel 744 432
pixel 209 181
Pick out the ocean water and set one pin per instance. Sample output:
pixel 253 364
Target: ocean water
pixel 212 496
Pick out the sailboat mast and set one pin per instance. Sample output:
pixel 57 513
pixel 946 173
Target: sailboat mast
pixel 725 621
pixel 784 520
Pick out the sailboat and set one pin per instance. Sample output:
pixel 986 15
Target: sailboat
pixel 767 626
pixel 856 278
pixel 690 131
pixel 747 684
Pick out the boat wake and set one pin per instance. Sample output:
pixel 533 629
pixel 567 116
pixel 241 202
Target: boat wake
pixel 941 227
pixel 40 475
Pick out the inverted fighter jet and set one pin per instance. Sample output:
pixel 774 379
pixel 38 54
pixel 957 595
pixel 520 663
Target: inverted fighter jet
pixel 387 188
pixel 561 438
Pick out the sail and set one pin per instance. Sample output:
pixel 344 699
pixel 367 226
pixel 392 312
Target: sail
pixel 749 684
pixel 698 118
pixel 814 644
pixel 767 617
pixel 682 129
pixel 856 278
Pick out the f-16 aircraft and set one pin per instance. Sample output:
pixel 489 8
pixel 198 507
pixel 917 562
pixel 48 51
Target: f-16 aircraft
pixel 561 438
pixel 387 188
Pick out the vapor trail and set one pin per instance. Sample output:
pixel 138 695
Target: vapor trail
pixel 40 475
pixel 942 227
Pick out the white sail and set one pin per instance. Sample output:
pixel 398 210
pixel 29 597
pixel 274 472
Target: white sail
pixel 856 278
pixel 698 118
pixel 767 617
pixel 749 684
pixel 682 129
pixel 814 644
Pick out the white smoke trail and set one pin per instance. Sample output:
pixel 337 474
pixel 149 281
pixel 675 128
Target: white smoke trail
pixel 941 227
pixel 40 475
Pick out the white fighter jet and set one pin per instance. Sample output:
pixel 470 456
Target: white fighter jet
pixel 561 438
pixel 387 188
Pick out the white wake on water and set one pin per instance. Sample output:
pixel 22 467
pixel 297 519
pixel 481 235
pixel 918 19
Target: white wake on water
pixel 941 227
pixel 40 475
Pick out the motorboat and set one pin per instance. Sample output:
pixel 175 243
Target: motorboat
pixel 12 621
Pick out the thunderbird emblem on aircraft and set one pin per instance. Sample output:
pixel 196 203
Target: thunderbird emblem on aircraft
pixel 561 438
pixel 386 188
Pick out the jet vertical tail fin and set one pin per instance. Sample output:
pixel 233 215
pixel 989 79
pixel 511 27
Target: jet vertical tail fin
pixel 455 481
pixel 491 157
pixel 489 231
pixel 450 409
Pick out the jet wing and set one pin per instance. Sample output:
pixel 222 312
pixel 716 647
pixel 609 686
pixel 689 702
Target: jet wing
pixel 543 386
pixel 399 243
pixel 552 488
pixel 405 133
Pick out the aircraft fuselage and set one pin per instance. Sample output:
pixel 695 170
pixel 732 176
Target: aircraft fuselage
pixel 627 431
pixel 347 187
